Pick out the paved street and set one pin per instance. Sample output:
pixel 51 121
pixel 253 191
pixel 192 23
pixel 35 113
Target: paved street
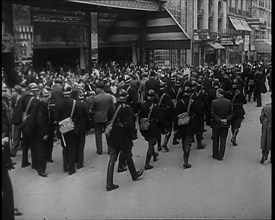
pixel 237 187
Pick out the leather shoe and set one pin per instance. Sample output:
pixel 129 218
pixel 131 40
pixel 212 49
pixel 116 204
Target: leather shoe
pixel 43 174
pixel 159 148
pixel 202 146
pixel 112 187
pixel 17 212
pixel 233 142
pixel 72 172
pixel 25 165
pixel 50 160
pixel 165 148
pixel 139 173
pixel 214 157
pixel 186 166
pixel 121 169
pixel 175 142
pixel 156 156
pixel 148 167
pixel 262 160
pixel 79 166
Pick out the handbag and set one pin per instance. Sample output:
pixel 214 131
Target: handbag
pixel 184 118
pixel 67 124
pixel 145 122
pixel 110 124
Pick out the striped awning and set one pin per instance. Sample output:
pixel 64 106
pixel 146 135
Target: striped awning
pixel 240 24
pixel 164 32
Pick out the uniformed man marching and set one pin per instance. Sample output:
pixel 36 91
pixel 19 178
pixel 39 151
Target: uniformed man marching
pixel 121 138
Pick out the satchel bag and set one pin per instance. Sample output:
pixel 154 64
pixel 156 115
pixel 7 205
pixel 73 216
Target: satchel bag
pixel 145 122
pixel 184 118
pixel 110 124
pixel 67 124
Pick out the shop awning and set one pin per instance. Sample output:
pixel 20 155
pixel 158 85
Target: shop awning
pixel 164 32
pixel 263 46
pixel 240 24
pixel 216 46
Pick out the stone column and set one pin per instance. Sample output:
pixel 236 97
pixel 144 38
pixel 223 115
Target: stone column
pixel 195 14
pixel 233 4
pixel 195 20
pixel 205 14
pixel 244 5
pixel 239 6
pixel 215 18
pixel 224 16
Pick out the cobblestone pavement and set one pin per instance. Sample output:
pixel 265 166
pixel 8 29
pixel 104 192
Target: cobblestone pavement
pixel 237 187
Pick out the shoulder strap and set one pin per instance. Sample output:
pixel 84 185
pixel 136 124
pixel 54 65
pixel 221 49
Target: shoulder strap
pixel 189 105
pixel 178 93
pixel 161 98
pixel 28 106
pixel 114 117
pixel 177 96
pixel 149 115
pixel 73 108
pixel 235 95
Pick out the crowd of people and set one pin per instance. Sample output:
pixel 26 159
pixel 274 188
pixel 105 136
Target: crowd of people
pixel 166 102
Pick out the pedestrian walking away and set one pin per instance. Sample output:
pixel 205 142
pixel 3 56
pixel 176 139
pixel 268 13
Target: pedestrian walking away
pixel 221 114
pixel 266 135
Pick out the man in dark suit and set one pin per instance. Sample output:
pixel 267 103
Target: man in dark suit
pixel 99 104
pixel 152 83
pixel 68 143
pixel 81 127
pixel 41 133
pixel 221 114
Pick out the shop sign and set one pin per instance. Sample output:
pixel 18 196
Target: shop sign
pixel 226 41
pixel 239 40
pixel 246 43
pixel 7 42
pixel 23 49
pixel 162 62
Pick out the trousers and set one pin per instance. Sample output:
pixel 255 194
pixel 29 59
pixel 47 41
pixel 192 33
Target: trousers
pixel 219 136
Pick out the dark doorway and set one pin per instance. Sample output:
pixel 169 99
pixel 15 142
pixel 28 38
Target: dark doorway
pixel 119 54
pixel 59 57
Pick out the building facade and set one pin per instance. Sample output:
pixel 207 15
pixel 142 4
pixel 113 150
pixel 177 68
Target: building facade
pixel 225 31
pixel 80 33
pixel 261 26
